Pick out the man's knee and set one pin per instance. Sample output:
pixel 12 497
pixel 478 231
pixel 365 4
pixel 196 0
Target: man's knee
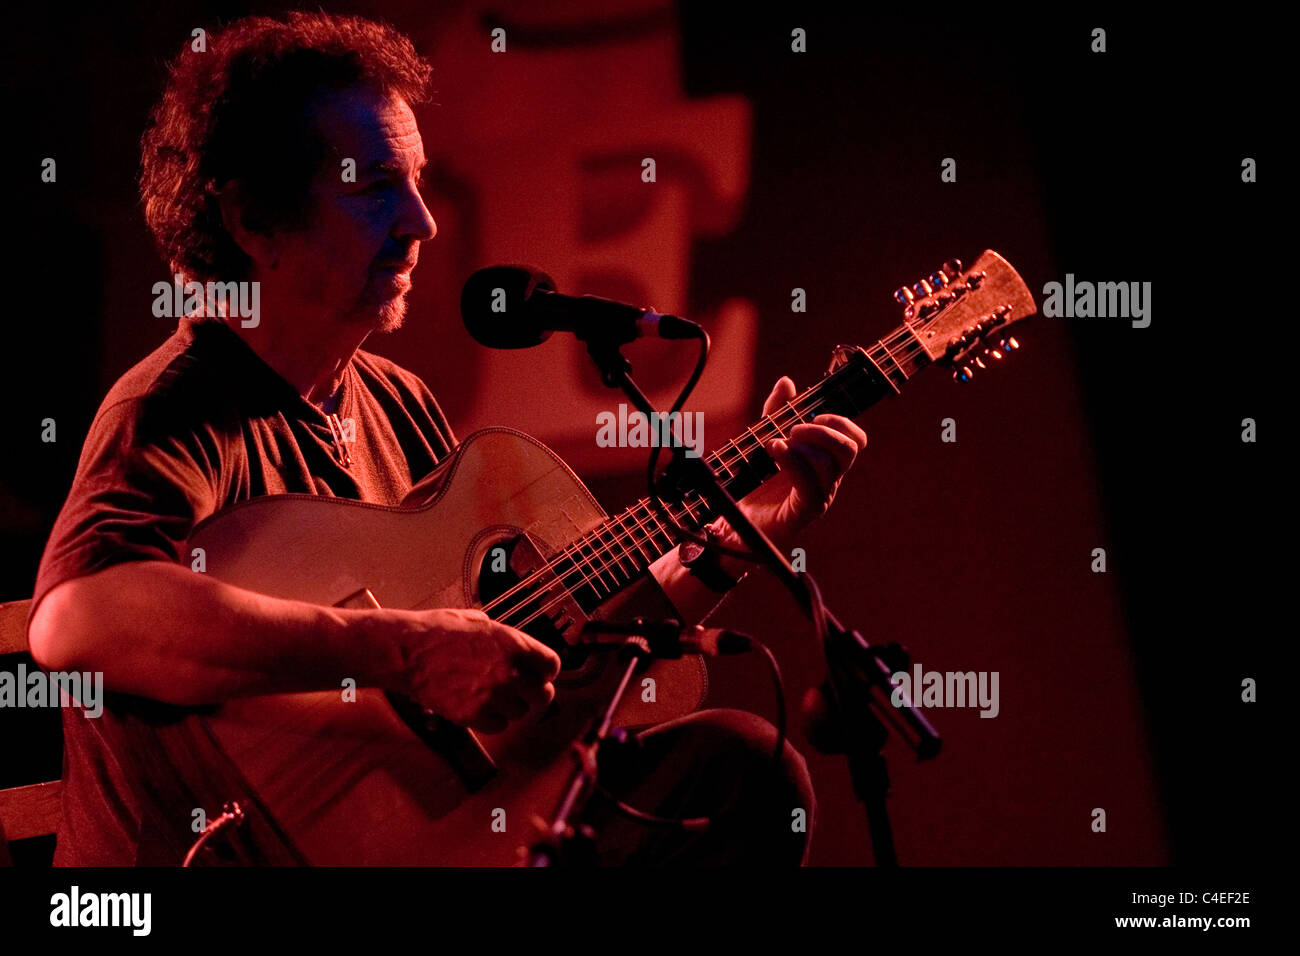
pixel 751 741
pixel 736 749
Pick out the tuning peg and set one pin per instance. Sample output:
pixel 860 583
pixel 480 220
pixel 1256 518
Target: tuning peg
pixel 922 289
pixel 963 374
pixel 979 360
pixel 904 295
pixel 1012 345
pixel 953 268
pixel 939 279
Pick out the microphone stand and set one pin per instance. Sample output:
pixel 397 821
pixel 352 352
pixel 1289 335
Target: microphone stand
pixel 566 841
pixel 857 690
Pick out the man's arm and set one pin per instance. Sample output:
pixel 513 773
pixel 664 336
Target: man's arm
pixel 159 630
pixel 694 600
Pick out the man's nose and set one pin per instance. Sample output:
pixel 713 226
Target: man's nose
pixel 415 221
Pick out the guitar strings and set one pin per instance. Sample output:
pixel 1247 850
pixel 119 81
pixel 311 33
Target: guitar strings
pixel 567 590
pixel 569 586
pixel 618 522
pixel 723 462
pixel 607 548
pixel 606 555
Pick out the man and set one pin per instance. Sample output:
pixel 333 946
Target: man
pixel 241 181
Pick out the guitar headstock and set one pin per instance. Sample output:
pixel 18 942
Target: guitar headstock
pixel 961 317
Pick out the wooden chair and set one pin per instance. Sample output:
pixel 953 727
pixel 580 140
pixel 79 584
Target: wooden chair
pixel 32 810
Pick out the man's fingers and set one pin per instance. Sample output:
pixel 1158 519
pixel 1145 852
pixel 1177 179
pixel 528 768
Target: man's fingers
pixel 819 438
pixel 519 699
pixel 846 426
pixel 507 704
pixel 782 392
pixel 535 660
pixel 803 475
pixel 538 698
pixel 489 725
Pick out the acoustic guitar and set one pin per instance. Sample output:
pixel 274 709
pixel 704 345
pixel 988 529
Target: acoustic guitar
pixel 368 778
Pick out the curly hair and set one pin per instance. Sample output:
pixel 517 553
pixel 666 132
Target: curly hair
pixel 240 110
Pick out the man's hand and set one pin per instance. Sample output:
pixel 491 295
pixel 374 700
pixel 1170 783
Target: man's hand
pixel 475 671
pixel 813 460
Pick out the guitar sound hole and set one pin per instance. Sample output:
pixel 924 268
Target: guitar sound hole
pixel 503 566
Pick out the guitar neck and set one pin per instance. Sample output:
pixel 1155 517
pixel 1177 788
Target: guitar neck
pixel 610 557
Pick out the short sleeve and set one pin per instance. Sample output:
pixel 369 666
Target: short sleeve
pixel 142 483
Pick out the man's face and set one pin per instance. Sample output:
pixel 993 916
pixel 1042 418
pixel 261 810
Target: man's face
pixel 354 259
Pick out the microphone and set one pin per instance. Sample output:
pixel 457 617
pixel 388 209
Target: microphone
pixel 517 307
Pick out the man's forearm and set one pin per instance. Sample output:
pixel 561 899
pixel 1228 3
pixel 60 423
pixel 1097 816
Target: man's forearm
pixel 162 631
pixel 693 600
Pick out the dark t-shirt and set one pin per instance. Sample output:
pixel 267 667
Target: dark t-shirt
pixel 200 424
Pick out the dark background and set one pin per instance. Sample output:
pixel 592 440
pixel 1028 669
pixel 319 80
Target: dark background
pixel 1119 691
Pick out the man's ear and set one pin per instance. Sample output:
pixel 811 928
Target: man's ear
pixel 258 246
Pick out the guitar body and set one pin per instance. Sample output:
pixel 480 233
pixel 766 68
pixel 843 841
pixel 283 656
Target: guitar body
pixel 350 781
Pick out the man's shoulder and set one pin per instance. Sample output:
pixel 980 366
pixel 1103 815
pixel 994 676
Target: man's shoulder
pixel 392 384
pixel 160 371
pixel 386 372
pixel 175 384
